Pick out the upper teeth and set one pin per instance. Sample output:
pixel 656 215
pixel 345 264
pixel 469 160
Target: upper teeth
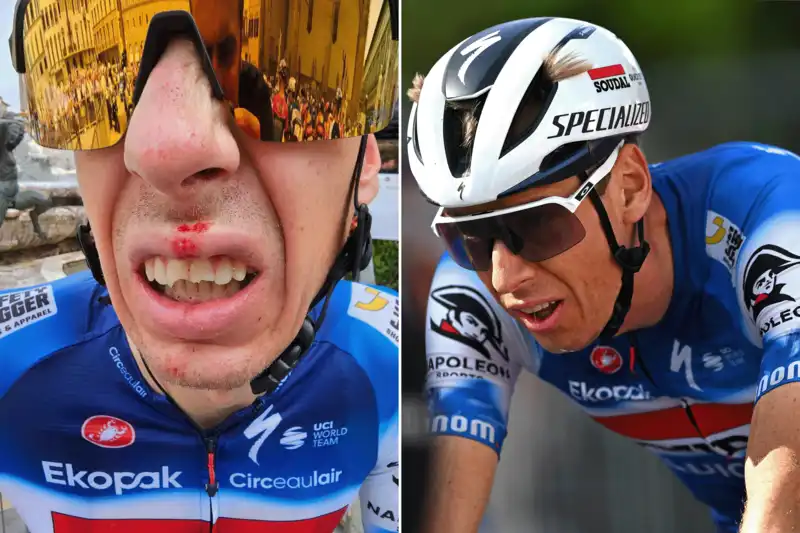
pixel 538 307
pixel 166 271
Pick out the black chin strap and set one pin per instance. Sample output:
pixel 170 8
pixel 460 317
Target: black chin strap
pixel 354 257
pixel 630 261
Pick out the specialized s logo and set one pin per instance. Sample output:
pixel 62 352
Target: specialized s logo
pixel 469 319
pixel 762 287
pixel 473 50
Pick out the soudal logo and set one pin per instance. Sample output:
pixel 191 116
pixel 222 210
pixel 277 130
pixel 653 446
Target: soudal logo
pixel 603 119
pixel 108 431
pixel 582 392
pixel 68 475
pixel 606 359
pixel 762 286
pixel 610 78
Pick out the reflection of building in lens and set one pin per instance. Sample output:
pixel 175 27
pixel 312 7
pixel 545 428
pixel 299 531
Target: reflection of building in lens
pixel 82 58
pixel 313 55
pixel 136 15
pixel 380 73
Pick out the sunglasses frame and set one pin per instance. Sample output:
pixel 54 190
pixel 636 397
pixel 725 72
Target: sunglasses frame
pixel 570 203
pixel 163 28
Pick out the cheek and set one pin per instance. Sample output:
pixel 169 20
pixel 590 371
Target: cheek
pixel 590 285
pixel 101 178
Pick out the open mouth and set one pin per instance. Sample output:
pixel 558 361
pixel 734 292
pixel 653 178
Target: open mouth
pixel 197 280
pixel 542 311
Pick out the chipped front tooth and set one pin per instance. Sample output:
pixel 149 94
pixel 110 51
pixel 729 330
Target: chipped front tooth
pixel 160 271
pixel 177 269
pixel 201 270
pixel 224 272
pixel 239 270
pixel 149 269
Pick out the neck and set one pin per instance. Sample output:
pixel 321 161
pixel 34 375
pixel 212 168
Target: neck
pixel 207 408
pixel 653 284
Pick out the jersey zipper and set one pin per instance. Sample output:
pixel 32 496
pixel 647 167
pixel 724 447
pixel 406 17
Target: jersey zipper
pixel 212 487
pixel 210 444
pixel 684 402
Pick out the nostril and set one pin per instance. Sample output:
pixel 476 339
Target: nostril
pixel 207 174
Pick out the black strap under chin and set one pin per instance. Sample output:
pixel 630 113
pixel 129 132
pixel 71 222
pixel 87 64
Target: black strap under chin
pixel 353 258
pixel 630 261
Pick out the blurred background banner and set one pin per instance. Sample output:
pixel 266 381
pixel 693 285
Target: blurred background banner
pixel 717 71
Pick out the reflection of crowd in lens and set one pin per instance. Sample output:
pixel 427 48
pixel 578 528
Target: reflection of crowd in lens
pixel 302 112
pixel 102 92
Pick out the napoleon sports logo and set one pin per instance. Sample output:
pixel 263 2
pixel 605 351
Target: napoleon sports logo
pixel 762 276
pixel 469 319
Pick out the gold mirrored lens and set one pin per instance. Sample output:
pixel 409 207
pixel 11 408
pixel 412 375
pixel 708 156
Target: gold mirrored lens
pixel 294 70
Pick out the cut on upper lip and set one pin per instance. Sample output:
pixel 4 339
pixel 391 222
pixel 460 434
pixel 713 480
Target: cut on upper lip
pixel 235 245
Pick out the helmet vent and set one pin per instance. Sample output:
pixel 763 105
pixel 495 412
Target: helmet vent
pixel 531 110
pixel 460 123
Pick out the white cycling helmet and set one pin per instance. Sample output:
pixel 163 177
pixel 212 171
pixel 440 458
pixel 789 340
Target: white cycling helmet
pixel 581 119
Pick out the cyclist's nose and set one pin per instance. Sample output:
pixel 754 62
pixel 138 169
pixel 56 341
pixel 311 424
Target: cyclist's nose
pixel 509 271
pixel 179 132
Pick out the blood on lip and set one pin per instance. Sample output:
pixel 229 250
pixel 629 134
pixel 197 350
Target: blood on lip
pixel 184 247
pixel 197 227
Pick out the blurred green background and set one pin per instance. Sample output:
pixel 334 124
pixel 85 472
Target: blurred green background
pixel 717 71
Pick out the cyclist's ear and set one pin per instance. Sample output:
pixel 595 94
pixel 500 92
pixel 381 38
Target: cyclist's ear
pixel 368 186
pixel 634 185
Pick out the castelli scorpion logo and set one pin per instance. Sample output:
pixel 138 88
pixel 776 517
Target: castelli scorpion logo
pixel 108 431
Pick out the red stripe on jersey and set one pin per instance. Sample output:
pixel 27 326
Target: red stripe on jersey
pixel 606 72
pixel 674 423
pixel 71 524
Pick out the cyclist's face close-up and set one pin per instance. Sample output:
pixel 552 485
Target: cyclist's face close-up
pixel 253 225
pixel 580 284
pixel 221 28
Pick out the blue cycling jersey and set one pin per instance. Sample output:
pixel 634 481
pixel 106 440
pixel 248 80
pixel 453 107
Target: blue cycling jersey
pixel 729 336
pixel 86 445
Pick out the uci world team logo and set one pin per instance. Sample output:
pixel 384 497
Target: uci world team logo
pixel 762 278
pixel 469 319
